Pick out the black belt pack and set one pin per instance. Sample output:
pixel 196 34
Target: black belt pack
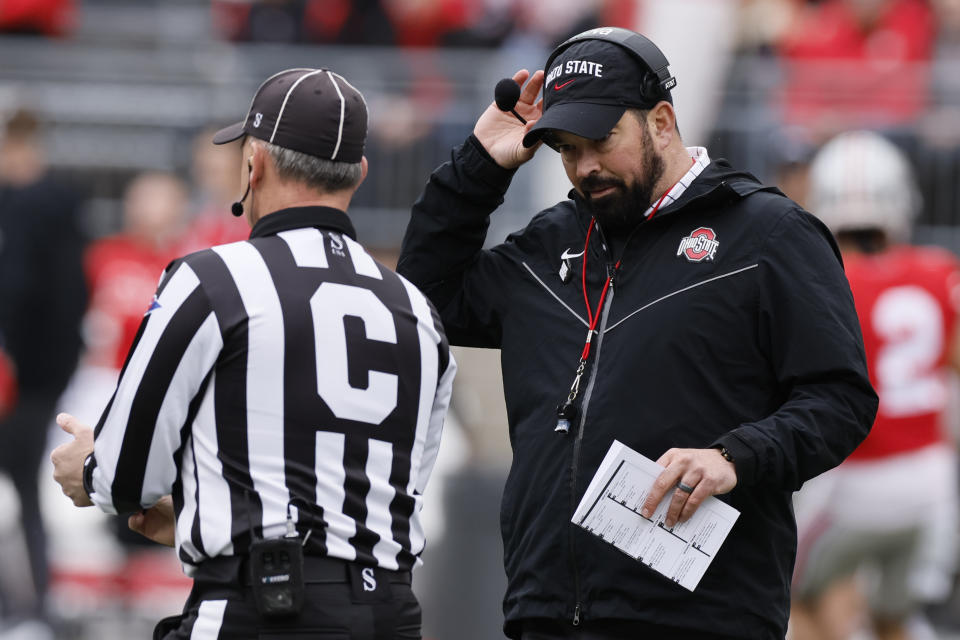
pixel 275 569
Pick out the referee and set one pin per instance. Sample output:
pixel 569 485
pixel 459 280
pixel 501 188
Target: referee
pixel 288 392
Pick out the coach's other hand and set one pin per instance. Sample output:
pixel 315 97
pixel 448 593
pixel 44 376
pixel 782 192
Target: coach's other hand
pixel 692 475
pixel 156 523
pixel 68 459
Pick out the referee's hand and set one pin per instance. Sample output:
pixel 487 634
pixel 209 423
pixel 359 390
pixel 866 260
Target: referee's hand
pixel 156 523
pixel 700 472
pixel 68 459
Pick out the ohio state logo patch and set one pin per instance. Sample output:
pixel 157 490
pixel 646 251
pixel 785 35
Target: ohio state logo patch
pixel 700 245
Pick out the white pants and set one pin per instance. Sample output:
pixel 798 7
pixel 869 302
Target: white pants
pixel 895 516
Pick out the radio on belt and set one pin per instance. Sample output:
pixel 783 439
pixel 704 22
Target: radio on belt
pixel 276 573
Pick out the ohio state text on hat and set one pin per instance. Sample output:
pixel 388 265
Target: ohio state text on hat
pixel 313 111
pixel 590 85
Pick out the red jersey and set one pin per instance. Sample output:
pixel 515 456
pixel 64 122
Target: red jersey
pixel 906 299
pixel 122 275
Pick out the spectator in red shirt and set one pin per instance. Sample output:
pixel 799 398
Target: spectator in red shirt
pixel 38 17
pixel 122 269
pixel 857 63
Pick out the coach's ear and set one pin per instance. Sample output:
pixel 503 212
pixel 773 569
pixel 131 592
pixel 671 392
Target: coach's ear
pixel 364 167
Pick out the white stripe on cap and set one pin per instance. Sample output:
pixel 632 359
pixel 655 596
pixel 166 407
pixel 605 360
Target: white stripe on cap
pixel 262 85
pixel 343 107
pixel 287 97
pixel 347 82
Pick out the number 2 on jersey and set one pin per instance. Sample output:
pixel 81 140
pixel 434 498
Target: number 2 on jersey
pixel 910 325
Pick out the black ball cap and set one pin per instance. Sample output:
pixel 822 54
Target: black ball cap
pixel 313 111
pixel 587 89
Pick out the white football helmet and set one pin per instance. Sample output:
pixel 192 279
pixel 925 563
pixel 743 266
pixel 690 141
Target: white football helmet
pixel 860 180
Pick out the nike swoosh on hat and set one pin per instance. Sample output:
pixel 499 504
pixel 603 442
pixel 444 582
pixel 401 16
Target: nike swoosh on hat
pixel 557 87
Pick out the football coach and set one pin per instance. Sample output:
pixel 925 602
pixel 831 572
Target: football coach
pixel 669 302
pixel 287 391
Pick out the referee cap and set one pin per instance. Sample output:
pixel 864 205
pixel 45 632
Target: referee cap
pixel 313 111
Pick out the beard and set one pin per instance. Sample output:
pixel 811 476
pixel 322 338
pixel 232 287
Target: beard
pixel 620 212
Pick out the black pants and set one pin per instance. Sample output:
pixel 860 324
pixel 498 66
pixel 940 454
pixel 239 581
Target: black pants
pixel 331 611
pixel 537 629
pixel 23 438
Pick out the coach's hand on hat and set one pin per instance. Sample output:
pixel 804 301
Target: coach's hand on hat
pixel 691 476
pixel 501 134
pixel 68 459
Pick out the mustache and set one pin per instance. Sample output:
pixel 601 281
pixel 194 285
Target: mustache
pixel 595 183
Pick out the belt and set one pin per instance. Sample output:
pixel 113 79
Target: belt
pixel 232 570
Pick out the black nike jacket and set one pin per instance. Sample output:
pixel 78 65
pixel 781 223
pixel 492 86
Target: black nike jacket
pixel 730 323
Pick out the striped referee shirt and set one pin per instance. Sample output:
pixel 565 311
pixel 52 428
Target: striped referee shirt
pixel 287 370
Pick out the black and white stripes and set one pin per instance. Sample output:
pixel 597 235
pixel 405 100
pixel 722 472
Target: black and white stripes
pixel 291 369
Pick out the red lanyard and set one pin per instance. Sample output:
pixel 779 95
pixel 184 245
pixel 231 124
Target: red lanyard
pixel 593 318
pixel 567 410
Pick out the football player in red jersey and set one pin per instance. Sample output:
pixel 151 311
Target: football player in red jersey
pixel 122 269
pixel 891 507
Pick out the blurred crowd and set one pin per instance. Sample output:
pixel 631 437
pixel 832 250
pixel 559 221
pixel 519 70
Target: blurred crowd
pixel 878 63
pixel 71 299
pixel 71 306
pixel 413 23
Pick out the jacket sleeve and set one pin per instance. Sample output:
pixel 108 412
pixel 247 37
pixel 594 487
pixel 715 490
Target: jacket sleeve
pixel 809 329
pixel 442 251
pixel 144 426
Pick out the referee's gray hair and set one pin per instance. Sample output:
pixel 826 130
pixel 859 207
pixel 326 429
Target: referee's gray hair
pixel 325 175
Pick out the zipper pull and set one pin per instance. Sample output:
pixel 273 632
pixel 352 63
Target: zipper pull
pixel 576 615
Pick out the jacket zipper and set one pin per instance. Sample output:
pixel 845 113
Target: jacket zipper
pixel 575 464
